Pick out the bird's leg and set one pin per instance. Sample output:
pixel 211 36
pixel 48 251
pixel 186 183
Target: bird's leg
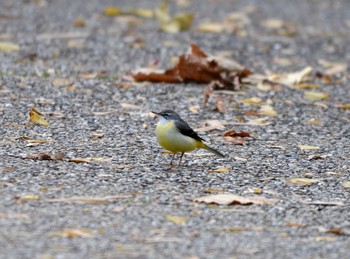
pixel 182 154
pixel 172 158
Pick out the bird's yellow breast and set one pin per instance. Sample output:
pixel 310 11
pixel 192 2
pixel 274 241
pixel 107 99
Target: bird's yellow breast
pixel 170 138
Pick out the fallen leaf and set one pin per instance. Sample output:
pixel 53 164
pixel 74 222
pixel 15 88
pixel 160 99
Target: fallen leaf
pixel 176 219
pixel 232 199
pixel 253 100
pixel 346 184
pixel 302 181
pixel 14 216
pixel 72 233
pixel 37 117
pixel 211 125
pixel 28 197
pixel 343 106
pixel 324 203
pixel 220 106
pixel 112 11
pixel 315 96
pixel 92 200
pixel 337 68
pixel 325 238
pixel 212 191
pixel 60 82
pixel 240 229
pixel 280 27
pixel 220 170
pixel 267 110
pixel 307 147
pixel 8 46
pixel 295 224
pixel 79 22
pixel 197 66
pixel 234 134
pixel 314 122
pixel 291 79
pixel 179 22
pixel 89 160
pixel 210 27
pixel 47 156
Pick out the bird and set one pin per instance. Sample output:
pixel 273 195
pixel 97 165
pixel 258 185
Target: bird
pixel 174 134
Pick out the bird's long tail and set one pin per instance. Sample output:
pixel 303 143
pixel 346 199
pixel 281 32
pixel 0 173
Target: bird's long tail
pixel 202 145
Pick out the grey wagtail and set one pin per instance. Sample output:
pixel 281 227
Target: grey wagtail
pixel 174 134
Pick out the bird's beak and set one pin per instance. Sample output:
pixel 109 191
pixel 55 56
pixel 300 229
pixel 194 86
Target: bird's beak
pixel 156 113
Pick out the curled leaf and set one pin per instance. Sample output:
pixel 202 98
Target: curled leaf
pixel 37 117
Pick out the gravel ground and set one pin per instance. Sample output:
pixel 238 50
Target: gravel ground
pixel 99 118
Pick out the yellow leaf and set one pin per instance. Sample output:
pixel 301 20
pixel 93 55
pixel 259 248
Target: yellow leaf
pixel 8 46
pixel 111 11
pixel 170 24
pixel 302 181
pixel 220 170
pixel 211 27
pixel 315 96
pixel 176 219
pixel 29 197
pixel 267 110
pixel 79 22
pixel 36 117
pixel 144 13
pixel 305 86
pixel 253 100
pixel 72 233
pixel 346 184
pixel 343 106
pixel 306 147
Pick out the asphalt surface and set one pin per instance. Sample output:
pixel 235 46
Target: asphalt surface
pixel 100 117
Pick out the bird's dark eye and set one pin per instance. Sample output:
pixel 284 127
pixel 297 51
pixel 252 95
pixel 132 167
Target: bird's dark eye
pixel 165 114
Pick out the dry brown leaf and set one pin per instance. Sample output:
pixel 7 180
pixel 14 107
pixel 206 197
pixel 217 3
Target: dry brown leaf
pixel 220 170
pixel 306 86
pixel 337 68
pixel 343 106
pixel 211 125
pixel 234 134
pixel 232 199
pixel 176 219
pixel 302 181
pixel 315 96
pixel 72 233
pixel 79 22
pixel 220 106
pixel 92 200
pixel 211 27
pixel 46 156
pixel 28 197
pixel 212 191
pixel 89 160
pixel 295 224
pixel 199 67
pixel 307 147
pixel 37 117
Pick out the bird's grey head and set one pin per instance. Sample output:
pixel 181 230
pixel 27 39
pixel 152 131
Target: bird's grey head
pixel 168 115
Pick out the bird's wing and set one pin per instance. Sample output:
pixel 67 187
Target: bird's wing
pixel 185 129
